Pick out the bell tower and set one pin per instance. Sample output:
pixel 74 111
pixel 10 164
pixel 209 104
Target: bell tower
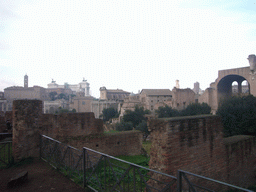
pixel 26 81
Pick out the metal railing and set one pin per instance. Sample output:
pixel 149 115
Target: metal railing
pixel 101 172
pixel 67 159
pixel 202 184
pixel 106 173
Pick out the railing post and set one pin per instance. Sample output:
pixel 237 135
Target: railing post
pixel 9 153
pixel 40 145
pixel 179 181
pixel 84 169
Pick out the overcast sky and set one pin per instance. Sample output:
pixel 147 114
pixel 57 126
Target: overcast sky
pixel 130 45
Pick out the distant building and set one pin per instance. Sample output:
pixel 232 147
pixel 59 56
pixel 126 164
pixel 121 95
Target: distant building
pixel 113 94
pixel 129 103
pixel 83 86
pixel 197 89
pixel 3 102
pixel 181 98
pixel 53 106
pixel 18 92
pixel 108 98
pixel 150 98
pixel 81 103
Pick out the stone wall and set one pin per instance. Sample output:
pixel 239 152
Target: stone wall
pixel 114 144
pixel 70 125
pixel 26 122
pixel 240 160
pixel 76 129
pixel 196 144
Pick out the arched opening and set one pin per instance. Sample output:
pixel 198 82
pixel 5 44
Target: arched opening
pixel 232 85
pixel 245 87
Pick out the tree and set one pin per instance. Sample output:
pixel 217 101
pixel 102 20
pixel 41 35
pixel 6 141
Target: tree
pixel 238 115
pixel 62 96
pixel 124 126
pixel 52 95
pixel 143 128
pixel 137 119
pixel 166 111
pixel 61 110
pixel 109 113
pixel 136 116
pixel 196 109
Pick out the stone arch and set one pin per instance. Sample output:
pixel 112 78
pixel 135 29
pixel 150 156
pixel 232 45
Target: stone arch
pixel 224 86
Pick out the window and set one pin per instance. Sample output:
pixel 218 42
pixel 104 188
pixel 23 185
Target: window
pixel 152 107
pixel 83 102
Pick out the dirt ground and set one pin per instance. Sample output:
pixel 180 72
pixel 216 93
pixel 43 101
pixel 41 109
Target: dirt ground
pixel 41 177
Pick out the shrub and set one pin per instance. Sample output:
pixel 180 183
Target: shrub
pixel 238 115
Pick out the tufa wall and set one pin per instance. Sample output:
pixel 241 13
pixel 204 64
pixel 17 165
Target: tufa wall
pixel 76 129
pixel 196 144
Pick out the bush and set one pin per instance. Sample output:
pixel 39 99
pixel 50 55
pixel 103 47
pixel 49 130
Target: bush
pixel 196 109
pixel 136 116
pixel 166 111
pixel 109 113
pixel 124 126
pixel 143 128
pixel 238 115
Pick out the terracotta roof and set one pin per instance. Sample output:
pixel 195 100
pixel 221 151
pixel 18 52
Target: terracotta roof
pixel 117 91
pixel 156 91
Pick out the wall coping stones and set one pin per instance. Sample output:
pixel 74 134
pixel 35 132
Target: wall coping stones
pixel 236 139
pixel 186 117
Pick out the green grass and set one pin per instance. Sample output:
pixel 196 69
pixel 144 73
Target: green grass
pixel 4 151
pixel 111 131
pixel 147 146
pixel 137 159
pixel 106 173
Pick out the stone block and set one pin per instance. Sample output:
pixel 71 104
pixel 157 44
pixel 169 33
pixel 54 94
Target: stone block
pixel 18 180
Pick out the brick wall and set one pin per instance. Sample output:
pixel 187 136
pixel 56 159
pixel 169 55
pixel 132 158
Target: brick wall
pixel 114 144
pixel 71 125
pixel 75 129
pixel 240 160
pixel 26 122
pixel 196 144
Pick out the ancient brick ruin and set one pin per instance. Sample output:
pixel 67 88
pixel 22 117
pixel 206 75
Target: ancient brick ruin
pixel 193 144
pixel 76 129
pixel 196 144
